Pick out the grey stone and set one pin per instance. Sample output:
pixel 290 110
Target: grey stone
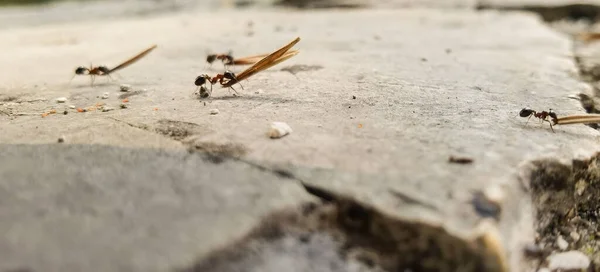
pixel 98 208
pixel 131 207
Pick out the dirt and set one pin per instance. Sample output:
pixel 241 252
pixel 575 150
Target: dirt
pixel 566 202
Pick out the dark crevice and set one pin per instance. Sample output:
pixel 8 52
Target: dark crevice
pixel 338 232
pixel 210 152
pixel 574 12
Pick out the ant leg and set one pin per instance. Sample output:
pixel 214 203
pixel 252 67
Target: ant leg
pixel 528 120
pixel 72 79
pixel 93 79
pixel 236 93
pixel 551 126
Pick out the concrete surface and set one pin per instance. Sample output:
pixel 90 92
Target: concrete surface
pixel 428 84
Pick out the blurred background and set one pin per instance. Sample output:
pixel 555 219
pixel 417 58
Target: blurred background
pixel 35 12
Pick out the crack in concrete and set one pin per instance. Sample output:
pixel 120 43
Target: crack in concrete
pixel 340 233
pixel 218 153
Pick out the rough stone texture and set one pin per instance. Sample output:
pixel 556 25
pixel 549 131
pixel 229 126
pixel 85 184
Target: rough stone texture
pixel 99 208
pixel 428 84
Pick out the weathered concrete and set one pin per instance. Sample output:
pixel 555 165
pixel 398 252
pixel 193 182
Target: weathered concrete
pixel 98 208
pixel 428 84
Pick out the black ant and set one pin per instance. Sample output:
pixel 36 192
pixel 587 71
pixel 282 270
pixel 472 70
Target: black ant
pixel 201 80
pixel 543 116
pixel 225 58
pixel 94 71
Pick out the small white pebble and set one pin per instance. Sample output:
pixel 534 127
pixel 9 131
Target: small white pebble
pixel 72 107
pixel 567 261
pixel 561 243
pixel 580 187
pixel 61 100
pixel 214 111
pixel 279 129
pixel 125 87
pixel 105 96
pixel 575 236
pixel 107 108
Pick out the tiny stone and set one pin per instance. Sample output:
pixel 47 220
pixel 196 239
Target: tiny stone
pixel 567 261
pixel 125 87
pixel 354 97
pixel 72 107
pixel 259 91
pixel 107 108
pixel 61 139
pixel 65 112
pixel 580 187
pixel 61 100
pixel 279 129
pixel 214 111
pixel 561 243
pixel 105 96
pixel 575 236
pixel 123 106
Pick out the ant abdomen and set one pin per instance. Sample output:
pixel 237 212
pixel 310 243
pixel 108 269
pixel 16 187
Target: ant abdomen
pixel 229 75
pixel 80 70
pixel 104 69
pixel 211 58
pixel 526 112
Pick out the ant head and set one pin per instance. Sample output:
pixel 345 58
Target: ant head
pixel 104 69
pixel 229 75
pixel 211 58
pixel 80 70
pixel 525 112
pixel 201 80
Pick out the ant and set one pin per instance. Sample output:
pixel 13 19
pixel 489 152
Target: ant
pixel 543 116
pixel 203 79
pixel 93 71
pixel 228 59
pixel 228 78
pixel 225 58
pixel 105 71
